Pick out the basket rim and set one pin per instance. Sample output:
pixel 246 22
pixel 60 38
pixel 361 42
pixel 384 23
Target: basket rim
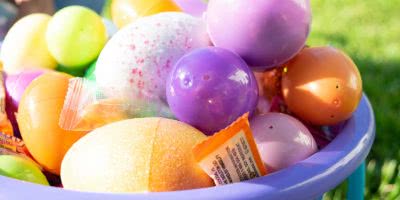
pixel 307 179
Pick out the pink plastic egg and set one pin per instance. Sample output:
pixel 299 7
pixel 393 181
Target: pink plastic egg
pixel 282 140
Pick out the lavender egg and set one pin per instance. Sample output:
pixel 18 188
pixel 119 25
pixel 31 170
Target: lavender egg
pixel 265 33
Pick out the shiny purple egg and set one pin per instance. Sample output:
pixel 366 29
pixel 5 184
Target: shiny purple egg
pixel 282 140
pixel 265 33
pixel 210 88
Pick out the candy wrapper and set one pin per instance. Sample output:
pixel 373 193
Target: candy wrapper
pixel 86 107
pixel 230 155
pixel 12 145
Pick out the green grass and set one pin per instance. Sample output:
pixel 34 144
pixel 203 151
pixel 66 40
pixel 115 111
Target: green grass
pixel 369 31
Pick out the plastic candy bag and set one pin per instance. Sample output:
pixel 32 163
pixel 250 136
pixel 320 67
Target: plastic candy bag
pixel 86 107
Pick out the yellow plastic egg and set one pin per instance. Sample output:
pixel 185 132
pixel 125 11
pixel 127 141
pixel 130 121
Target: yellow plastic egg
pixel 135 155
pixel 124 12
pixel 38 115
pixel 25 46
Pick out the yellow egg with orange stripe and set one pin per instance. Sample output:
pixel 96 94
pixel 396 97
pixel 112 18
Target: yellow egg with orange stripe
pixel 124 12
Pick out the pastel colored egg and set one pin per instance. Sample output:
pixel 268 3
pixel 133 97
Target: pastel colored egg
pixel 75 36
pixel 15 85
pixel 264 33
pixel 124 12
pixel 135 63
pixel 322 85
pixel 210 88
pixel 281 140
pixel 22 49
pixel 38 116
pixel 21 168
pixel 135 155
pixel 89 74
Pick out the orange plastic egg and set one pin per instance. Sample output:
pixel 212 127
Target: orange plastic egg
pixel 38 116
pixel 124 12
pixel 322 85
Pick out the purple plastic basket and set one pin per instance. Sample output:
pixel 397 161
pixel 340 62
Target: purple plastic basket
pixel 307 179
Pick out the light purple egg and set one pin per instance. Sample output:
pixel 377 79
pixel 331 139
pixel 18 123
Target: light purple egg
pixel 15 85
pixel 210 88
pixel 135 63
pixel 265 33
pixel 281 140
pixel 193 7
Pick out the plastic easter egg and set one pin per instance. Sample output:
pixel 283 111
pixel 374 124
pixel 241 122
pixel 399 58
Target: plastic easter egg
pixel 38 115
pixel 264 33
pixel 21 168
pixel 211 87
pixel 193 7
pixel 135 155
pixel 124 12
pixel 322 85
pixel 135 63
pixel 24 49
pixel 15 85
pixel 281 140
pixel 72 71
pixel 75 36
pixel 89 74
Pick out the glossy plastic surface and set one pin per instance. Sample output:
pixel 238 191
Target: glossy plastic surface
pixel 38 114
pixel 322 85
pixel 15 86
pixel 124 12
pixel 210 88
pixel 264 33
pixel 281 136
pixel 193 7
pixel 307 179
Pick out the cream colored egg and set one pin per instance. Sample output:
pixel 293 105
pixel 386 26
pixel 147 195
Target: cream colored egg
pixel 135 155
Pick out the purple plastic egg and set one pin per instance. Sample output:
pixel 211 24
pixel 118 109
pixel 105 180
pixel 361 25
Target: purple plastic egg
pixel 281 140
pixel 210 88
pixel 15 85
pixel 265 33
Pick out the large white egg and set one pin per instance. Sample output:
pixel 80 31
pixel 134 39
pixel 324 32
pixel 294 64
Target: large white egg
pixel 136 61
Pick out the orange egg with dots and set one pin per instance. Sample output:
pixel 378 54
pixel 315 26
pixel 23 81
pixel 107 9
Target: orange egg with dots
pixel 124 12
pixel 135 155
pixel 38 115
pixel 322 85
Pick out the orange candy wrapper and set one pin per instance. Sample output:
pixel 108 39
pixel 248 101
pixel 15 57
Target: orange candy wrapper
pixel 231 155
pixel 86 109
pixel 13 144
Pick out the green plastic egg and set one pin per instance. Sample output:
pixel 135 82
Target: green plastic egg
pixel 21 168
pixel 75 36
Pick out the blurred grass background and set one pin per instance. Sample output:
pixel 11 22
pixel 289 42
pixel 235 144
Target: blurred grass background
pixel 369 31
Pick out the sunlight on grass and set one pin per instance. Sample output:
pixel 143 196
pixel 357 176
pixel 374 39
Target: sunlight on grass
pixel 369 31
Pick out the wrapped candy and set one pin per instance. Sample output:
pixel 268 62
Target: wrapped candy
pixel 85 108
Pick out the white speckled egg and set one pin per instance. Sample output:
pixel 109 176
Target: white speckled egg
pixel 136 61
